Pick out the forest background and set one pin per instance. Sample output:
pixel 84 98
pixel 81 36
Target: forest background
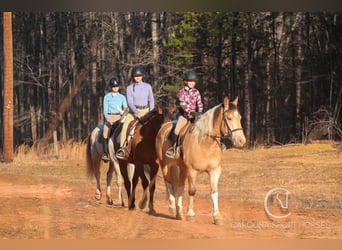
pixel 285 67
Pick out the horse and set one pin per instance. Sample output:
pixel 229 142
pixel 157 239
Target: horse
pixel 200 152
pixel 142 153
pixel 94 151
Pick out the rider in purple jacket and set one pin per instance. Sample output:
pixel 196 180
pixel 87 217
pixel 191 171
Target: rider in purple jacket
pixel 140 100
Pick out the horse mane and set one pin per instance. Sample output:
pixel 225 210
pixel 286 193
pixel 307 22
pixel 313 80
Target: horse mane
pixel 204 125
pixel 146 118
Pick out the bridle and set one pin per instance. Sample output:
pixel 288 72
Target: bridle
pixel 230 131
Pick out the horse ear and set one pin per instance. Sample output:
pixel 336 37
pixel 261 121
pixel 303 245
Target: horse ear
pixel 226 103
pixel 159 109
pixel 235 102
pixel 172 109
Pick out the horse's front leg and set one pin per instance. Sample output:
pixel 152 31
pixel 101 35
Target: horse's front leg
pixel 119 179
pixel 214 179
pixel 131 198
pixel 192 191
pixel 140 170
pixel 153 173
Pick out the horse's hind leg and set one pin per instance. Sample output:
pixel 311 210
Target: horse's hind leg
pixel 109 180
pixel 98 193
pixel 178 177
pixel 171 198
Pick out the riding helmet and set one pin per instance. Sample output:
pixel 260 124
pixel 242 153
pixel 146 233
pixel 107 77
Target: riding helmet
pixel 137 71
pixel 190 75
pixel 114 82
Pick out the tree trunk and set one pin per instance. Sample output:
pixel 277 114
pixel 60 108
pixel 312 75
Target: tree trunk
pixel 248 78
pixel 298 71
pixel 155 48
pixel 8 87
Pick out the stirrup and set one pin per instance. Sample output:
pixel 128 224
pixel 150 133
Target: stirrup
pixel 171 152
pixel 120 154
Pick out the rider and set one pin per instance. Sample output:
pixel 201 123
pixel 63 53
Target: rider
pixel 190 101
pixel 140 100
pixel 114 103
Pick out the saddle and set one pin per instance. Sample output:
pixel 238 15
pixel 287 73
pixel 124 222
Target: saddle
pixel 183 132
pixel 131 130
pixel 112 129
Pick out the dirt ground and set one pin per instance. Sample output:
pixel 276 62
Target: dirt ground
pixel 53 199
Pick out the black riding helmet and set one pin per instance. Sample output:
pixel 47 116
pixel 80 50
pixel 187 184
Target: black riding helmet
pixel 190 75
pixel 137 71
pixel 114 82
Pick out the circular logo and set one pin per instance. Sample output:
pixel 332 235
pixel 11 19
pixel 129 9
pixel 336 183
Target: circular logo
pixel 280 197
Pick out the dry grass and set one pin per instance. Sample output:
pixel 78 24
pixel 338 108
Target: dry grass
pixel 65 151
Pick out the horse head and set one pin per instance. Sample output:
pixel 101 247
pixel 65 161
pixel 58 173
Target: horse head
pixel 166 113
pixel 232 123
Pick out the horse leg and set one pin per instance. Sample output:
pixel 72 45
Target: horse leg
pixel 179 176
pixel 171 198
pixel 97 174
pixel 120 202
pixel 214 179
pixel 144 182
pixel 131 198
pixel 153 173
pixel 192 191
pixel 109 180
pixel 127 180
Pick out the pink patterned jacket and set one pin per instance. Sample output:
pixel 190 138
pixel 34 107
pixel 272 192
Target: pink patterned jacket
pixel 190 101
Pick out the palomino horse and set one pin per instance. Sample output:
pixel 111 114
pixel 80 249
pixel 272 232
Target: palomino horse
pixel 142 153
pixel 200 152
pixel 94 153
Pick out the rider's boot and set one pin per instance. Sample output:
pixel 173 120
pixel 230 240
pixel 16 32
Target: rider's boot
pixel 105 156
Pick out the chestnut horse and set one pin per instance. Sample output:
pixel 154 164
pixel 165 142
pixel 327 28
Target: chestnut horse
pixel 200 152
pixel 94 153
pixel 142 152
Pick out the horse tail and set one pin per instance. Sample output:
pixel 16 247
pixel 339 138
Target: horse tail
pixel 90 164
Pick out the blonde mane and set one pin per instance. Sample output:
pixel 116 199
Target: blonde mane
pixel 204 125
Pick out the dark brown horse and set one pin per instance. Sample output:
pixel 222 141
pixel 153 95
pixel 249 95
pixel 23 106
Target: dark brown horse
pixel 142 155
pixel 200 152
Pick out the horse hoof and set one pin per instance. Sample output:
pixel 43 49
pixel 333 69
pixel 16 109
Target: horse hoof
pixel 179 217
pixel 218 221
pixel 131 208
pixel 152 212
pixel 110 202
pixel 119 204
pixel 190 218
pixel 142 204
pixel 98 196
pixel 172 210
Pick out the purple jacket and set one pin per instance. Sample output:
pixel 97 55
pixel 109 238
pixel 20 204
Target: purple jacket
pixel 139 94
